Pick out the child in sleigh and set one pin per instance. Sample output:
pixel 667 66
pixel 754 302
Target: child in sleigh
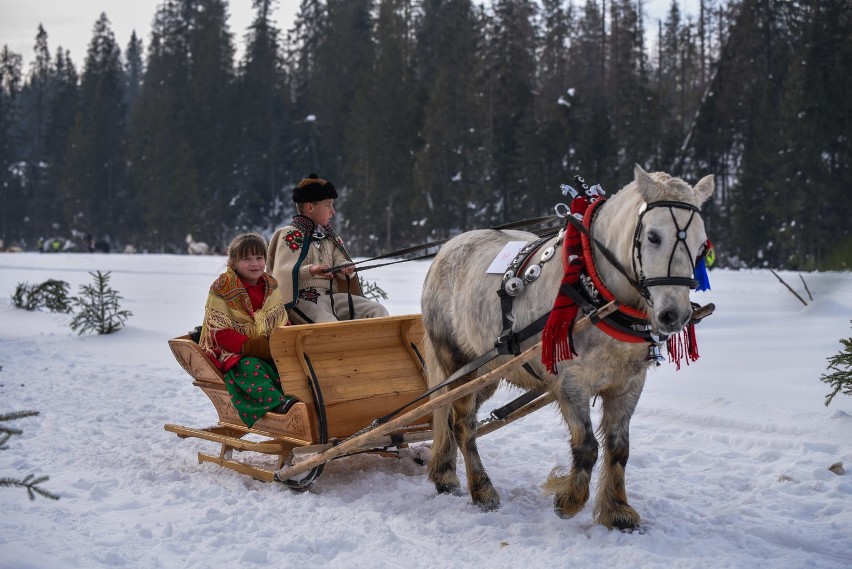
pixel 244 305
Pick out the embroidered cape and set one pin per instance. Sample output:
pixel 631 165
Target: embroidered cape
pixel 229 307
pixel 290 254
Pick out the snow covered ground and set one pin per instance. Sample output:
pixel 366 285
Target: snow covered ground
pixel 728 467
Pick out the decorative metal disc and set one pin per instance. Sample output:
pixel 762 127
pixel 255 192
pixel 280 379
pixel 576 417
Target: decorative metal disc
pixel 532 273
pixel 514 286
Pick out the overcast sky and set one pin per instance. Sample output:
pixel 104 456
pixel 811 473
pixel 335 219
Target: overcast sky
pixel 69 23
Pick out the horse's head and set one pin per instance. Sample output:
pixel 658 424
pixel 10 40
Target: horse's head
pixel 668 240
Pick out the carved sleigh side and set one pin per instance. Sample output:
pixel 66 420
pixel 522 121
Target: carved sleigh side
pixel 279 433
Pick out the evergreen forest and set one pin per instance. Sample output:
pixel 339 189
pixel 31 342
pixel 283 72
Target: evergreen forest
pixel 433 117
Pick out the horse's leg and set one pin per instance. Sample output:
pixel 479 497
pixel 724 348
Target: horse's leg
pixel 571 491
pixel 481 490
pixel 442 461
pixel 439 363
pixel 611 507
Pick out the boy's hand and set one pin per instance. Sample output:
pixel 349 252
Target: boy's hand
pixel 320 271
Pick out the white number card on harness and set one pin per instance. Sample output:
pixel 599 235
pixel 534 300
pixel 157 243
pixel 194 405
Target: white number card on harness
pixel 504 257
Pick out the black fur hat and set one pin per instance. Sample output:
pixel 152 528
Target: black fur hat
pixel 314 189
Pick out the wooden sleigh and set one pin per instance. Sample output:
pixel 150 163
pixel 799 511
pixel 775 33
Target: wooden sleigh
pixel 345 375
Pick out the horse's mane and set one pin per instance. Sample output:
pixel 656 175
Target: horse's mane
pixel 671 188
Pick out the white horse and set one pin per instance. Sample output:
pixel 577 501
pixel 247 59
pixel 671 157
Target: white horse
pixel 653 228
pixel 196 247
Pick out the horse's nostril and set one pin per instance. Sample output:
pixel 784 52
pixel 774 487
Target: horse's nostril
pixel 668 318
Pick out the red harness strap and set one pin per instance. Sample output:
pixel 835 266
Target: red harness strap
pixel 577 259
pixel 592 271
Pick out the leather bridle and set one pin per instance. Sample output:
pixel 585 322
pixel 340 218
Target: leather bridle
pixel 681 235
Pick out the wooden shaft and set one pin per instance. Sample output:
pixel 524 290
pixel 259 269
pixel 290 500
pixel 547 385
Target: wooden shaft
pixel 368 439
pixel 365 440
pixel 531 407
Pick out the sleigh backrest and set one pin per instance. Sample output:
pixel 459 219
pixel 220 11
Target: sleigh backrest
pixel 195 361
pixel 364 369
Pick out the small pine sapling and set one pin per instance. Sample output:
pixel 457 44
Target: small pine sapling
pixel 99 310
pixel 55 297
pixel 51 294
pixel 371 290
pixel 840 366
pixel 22 297
pixel 30 482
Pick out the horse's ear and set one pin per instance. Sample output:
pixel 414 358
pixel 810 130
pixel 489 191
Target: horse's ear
pixel 704 188
pixel 647 186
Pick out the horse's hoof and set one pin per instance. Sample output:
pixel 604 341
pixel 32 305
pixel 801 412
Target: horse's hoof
pixel 565 508
pixel 564 515
pixel 453 489
pixel 627 526
pixel 489 505
pixel 626 520
pixel 483 494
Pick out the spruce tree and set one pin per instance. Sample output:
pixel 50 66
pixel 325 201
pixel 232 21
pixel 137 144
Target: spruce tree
pixel 98 308
pixel 590 124
pixel 209 120
pixel 162 171
pixel 511 68
pixel 97 196
pixel 11 196
pixel 636 125
pixel 263 115
pixel 450 160
pixel 840 368
pixel 757 208
pixel 36 117
pixel 816 170
pixel 63 110
pixel 134 69
pixel 380 174
pixel 343 62
pixel 306 42
pixel 555 103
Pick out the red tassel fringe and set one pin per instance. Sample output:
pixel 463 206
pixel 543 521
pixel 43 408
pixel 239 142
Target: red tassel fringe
pixel 683 346
pixel 556 344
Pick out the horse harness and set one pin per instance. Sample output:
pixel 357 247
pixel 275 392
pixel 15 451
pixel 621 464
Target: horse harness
pixel 516 278
pixel 626 324
pixel 645 282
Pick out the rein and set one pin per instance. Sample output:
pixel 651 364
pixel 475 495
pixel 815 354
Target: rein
pixel 424 246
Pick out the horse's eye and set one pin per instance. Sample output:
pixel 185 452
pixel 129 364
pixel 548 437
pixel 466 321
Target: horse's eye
pixel 653 237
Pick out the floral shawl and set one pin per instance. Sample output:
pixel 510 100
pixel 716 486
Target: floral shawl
pixel 229 307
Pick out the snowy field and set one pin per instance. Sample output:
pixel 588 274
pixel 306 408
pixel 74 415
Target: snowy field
pixel 728 467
